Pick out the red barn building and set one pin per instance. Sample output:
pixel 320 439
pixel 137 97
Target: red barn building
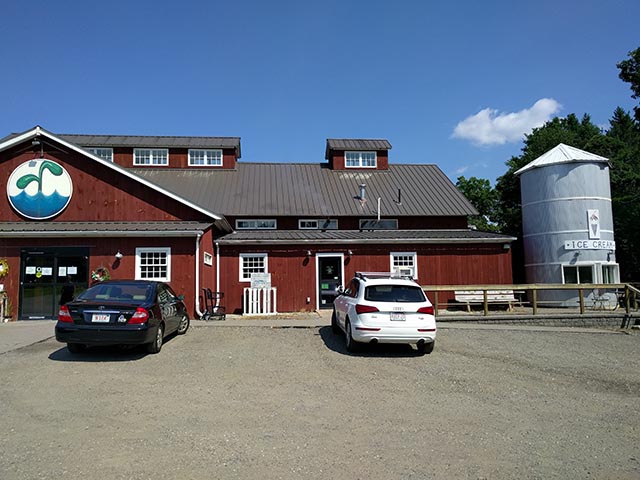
pixel 185 210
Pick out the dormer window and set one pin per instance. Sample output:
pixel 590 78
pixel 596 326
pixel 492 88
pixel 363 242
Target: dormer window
pixel 205 158
pixel 360 159
pixel 103 153
pixel 150 156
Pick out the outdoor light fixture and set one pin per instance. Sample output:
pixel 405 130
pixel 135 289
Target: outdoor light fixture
pixel 119 255
pixel 308 253
pixel 349 252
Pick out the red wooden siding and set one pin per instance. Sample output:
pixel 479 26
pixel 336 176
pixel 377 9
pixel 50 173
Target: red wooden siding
pixel 102 194
pixel 295 277
pixel 102 251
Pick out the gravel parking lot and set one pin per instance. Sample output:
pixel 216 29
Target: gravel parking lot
pixel 250 402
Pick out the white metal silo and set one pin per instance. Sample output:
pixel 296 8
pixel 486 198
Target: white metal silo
pixel 567 222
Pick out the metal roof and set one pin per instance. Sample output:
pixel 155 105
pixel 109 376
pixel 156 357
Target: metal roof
pixel 152 141
pixel 105 229
pixel 562 154
pixel 294 189
pixel 355 144
pixel 362 236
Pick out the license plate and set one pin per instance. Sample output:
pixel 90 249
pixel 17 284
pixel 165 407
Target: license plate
pixel 100 318
pixel 397 317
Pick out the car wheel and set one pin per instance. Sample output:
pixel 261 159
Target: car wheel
pixel 426 348
pixel 334 323
pixel 76 347
pixel 156 345
pixel 352 345
pixel 184 325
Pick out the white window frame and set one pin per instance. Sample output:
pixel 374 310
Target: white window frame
pixel 597 271
pixel 357 159
pixel 616 272
pixel 413 267
pixel 211 157
pixel 158 157
pixel 265 259
pixel 319 224
pixel 142 250
pixel 102 152
pixel 256 224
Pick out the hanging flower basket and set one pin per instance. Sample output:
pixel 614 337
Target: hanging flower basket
pixel 100 274
pixel 4 267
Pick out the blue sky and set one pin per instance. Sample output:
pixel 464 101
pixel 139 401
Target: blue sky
pixel 455 83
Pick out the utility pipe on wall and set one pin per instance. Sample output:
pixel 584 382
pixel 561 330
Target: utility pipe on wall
pixel 217 246
pixel 197 276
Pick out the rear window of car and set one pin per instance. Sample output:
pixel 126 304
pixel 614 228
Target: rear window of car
pixel 121 292
pixel 394 293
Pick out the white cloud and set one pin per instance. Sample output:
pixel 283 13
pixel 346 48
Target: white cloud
pixel 490 127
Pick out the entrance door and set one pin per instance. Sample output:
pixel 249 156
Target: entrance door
pixel 42 274
pixel 330 276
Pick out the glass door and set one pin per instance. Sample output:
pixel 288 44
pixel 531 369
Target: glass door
pixel 43 272
pixel 329 278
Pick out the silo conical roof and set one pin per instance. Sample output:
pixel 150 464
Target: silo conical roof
pixel 562 154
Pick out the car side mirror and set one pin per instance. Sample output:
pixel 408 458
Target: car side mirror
pixel 181 297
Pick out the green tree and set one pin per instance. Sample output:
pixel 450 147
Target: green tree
pixel 482 195
pixel 571 131
pixel 624 154
pixel 630 73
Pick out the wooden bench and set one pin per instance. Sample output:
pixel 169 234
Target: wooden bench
pixel 476 297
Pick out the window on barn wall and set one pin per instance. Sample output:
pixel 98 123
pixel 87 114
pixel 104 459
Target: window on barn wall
pixel 360 159
pixel 103 153
pixel 153 264
pixel 205 158
pixel 150 156
pixel 313 224
pixel 256 224
pixel 252 263
pixel 384 224
pixel 404 263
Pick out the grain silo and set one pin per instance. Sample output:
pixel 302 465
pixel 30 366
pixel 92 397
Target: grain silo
pixel 568 222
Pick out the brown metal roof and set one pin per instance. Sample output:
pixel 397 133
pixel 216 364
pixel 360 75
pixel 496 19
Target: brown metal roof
pixel 355 144
pixel 137 229
pixel 359 236
pixel 284 189
pixel 152 141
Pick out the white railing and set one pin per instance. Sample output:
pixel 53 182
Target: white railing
pixel 260 301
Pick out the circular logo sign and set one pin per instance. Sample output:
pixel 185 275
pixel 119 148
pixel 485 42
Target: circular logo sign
pixel 39 189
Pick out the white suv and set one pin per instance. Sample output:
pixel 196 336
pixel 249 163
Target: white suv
pixel 381 308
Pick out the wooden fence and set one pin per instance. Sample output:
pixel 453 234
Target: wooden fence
pixel 619 296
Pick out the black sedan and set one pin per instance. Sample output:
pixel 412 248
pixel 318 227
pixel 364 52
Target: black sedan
pixel 122 312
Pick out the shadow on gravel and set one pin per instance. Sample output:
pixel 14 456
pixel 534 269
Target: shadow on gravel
pixel 336 343
pixel 110 353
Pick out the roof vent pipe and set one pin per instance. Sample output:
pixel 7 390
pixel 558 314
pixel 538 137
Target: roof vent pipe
pixel 363 187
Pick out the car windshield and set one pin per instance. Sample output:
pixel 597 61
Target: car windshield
pixel 394 293
pixel 121 292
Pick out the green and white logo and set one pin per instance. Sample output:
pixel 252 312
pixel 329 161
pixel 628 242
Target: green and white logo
pixel 39 189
